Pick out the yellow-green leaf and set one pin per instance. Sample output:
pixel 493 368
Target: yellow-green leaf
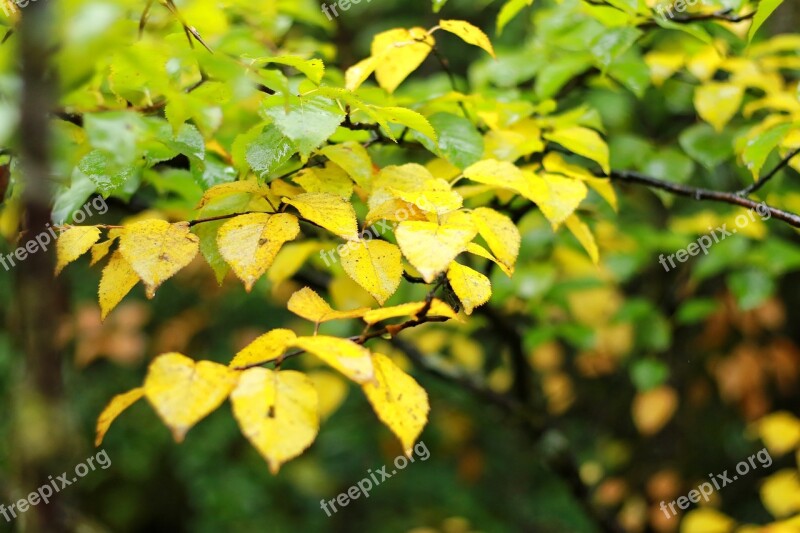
pixel 157 250
pixel 117 280
pixel 500 234
pixel 430 247
pixel 375 265
pixel 398 400
pixel 498 174
pixel 268 346
pixel 717 103
pixel 477 249
pixel 584 142
pixel 468 33
pixel 309 305
pixel 277 412
pixel 349 358
pixel 353 158
pixel 249 243
pixel 73 243
pixel 329 211
pixel 115 407
pixel 329 179
pixel 584 236
pixel 183 391
pixel 557 197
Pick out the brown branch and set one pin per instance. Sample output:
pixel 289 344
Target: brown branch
pixel 636 178
pixel 391 329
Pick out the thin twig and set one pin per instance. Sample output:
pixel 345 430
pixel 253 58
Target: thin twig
pixel 747 191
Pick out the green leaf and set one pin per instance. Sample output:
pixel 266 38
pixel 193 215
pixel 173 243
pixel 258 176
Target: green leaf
pixel 307 121
pixel 438 5
pixel 459 141
pixel 612 43
pixel 765 9
pixel 101 168
pixel 696 310
pixel 648 374
pixel 757 150
pixel 269 151
pixel 751 288
pixel 510 10
pixel 669 165
pixel 706 146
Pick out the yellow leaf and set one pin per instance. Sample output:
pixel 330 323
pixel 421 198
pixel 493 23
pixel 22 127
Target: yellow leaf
pixel 349 358
pixel 653 409
pixel 780 432
pixel 437 308
pixel 328 211
pixel 498 174
pixel 468 33
pixel 500 234
pixel 329 179
pixel 472 288
pixel 398 53
pixel 354 159
pixel 375 265
pixel 157 250
pixel 398 400
pixel 290 259
pixel 73 243
pixel 706 520
pixel 118 403
pixel 395 210
pixel 358 73
pixel 584 236
pixel 584 142
pixel 477 249
pixel 249 243
pixel 183 391
pixel 309 305
pixel 100 250
pixel 554 163
pixel 268 346
pixel 332 391
pixel 277 413
pixel 557 197
pixel 430 247
pixel 663 64
pixel 407 178
pixel 117 280
pixel 781 493
pixel 227 189
pixel 717 103
pixel 435 196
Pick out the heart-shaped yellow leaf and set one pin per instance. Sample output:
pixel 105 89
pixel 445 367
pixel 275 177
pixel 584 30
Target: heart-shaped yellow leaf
pixel 183 391
pixel 157 250
pixel 431 247
pixel 249 243
pixel 277 412
pixel 310 305
pixel 329 211
pixel 375 265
